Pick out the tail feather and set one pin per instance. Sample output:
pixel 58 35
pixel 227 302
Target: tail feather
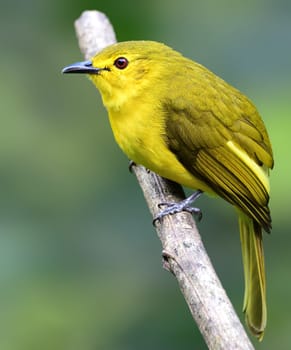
pixel 254 272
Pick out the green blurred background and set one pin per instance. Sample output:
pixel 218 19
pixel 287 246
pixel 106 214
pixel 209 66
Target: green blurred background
pixel 80 263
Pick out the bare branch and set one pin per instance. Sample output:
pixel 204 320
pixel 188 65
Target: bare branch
pixel 183 249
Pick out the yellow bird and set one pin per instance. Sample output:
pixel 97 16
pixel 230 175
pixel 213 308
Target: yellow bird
pixel 183 122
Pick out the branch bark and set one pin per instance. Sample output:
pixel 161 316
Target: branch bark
pixel 183 249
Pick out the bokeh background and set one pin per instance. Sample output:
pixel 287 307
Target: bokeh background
pixel 80 263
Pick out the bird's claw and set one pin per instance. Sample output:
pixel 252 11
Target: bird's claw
pixel 131 165
pixel 174 208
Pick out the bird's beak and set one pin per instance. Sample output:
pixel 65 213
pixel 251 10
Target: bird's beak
pixel 81 67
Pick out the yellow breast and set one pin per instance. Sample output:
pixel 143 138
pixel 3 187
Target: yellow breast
pixel 141 137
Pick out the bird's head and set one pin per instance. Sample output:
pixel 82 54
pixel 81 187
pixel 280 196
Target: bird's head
pixel 126 70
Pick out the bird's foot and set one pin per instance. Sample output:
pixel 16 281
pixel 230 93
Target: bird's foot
pixel 131 165
pixel 184 205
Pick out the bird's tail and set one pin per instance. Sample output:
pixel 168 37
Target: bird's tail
pixel 254 272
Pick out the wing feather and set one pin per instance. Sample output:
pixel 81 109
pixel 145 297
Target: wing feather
pixel 199 140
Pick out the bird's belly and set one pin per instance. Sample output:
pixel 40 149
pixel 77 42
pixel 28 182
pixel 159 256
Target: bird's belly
pixel 145 145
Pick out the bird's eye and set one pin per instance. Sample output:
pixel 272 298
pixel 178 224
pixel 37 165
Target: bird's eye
pixel 121 62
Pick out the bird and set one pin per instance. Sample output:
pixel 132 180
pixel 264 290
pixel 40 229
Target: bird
pixel 180 120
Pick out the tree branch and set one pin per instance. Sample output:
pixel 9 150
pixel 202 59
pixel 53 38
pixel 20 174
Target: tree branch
pixel 183 249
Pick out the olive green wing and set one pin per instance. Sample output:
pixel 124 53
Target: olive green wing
pixel 199 139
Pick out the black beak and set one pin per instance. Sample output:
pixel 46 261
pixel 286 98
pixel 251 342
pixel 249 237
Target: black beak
pixel 81 67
